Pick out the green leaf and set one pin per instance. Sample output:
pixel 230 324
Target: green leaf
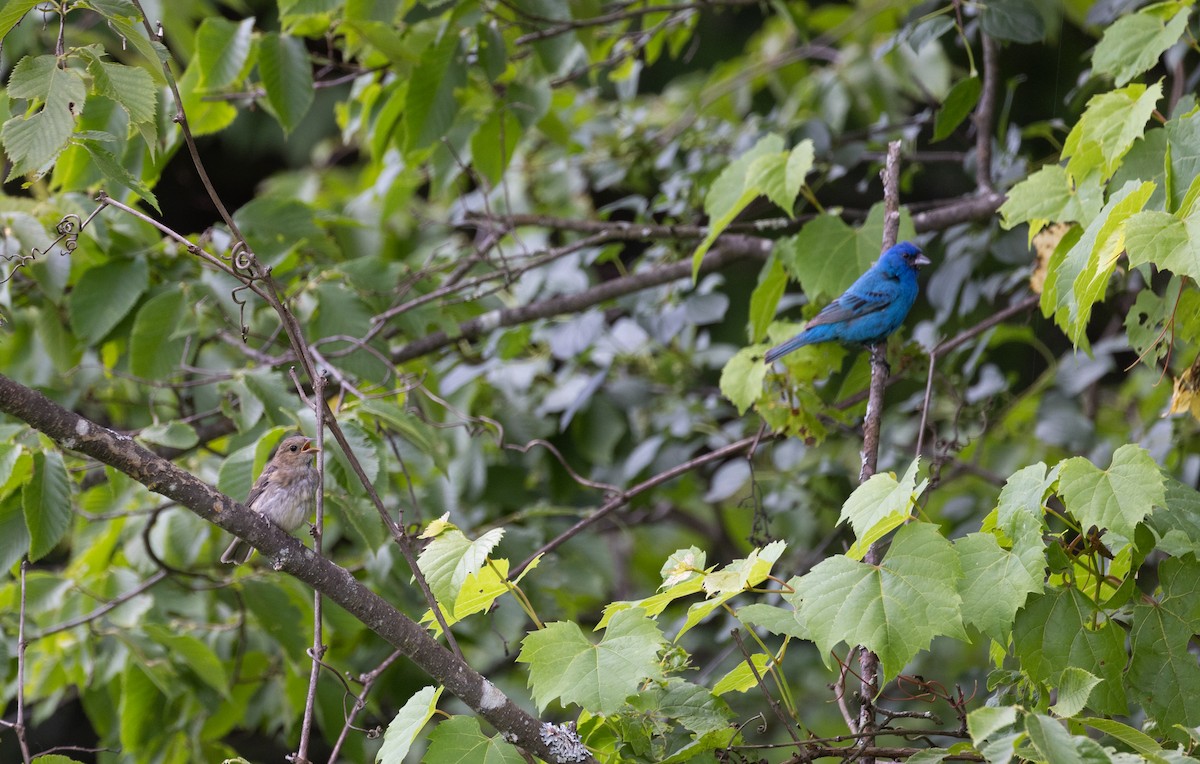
pixel 696 708
pixel 1013 20
pixel 745 573
pixel 1058 745
pixel 287 77
pixel 1108 127
pixel 1176 522
pixel 735 188
pixel 741 677
pixel 1074 687
pixel 772 281
pixel 1076 282
pixel 828 255
pixel 742 378
pixel 35 140
pixel 432 104
pixel 879 506
pixel 1134 43
pixel 140 707
pixel 894 609
pixel 983 723
pixel 204 115
pixel 994 586
pixel 776 620
pixel 104 295
pixel 131 87
pixel 1135 739
pixel 1116 499
pixel 113 170
pixel 1050 195
pixel 186 650
pixel 222 51
pixel 171 434
pixel 1055 630
pixel 449 559
pixel 1163 674
pixel 565 666
pixel 47 503
pixel 275 226
pixel 14 536
pixel 459 740
pixel 153 353
pixel 1167 241
pixel 407 724
pixel 12 12
pixel 956 106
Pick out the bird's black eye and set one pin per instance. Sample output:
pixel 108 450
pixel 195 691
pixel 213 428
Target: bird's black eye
pixel 294 448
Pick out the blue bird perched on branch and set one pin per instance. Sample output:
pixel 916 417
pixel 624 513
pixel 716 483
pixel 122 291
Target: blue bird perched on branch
pixel 871 309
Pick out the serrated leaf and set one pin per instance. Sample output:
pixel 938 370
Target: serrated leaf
pixel 994 586
pixel 1051 195
pixel 1013 20
pixel 104 295
pixel 152 353
pixel 171 434
pixel 1107 129
pixel 1058 745
pixel 1055 630
pixel 1079 279
pixel 741 678
pixel 1116 499
pixel 287 77
pixel 776 620
pixel 731 192
pixel 449 559
pixel 459 740
pixel 46 499
pixel 191 652
pixel 742 378
pixel 828 255
pixel 431 104
pixel 1163 674
pixel 131 87
pixel 33 141
pixel 12 12
pixel 772 281
pixel 407 724
pixel 1074 687
pixel 565 666
pixel 222 50
pixel 894 609
pixel 1135 739
pixel 1133 44
pixel 879 506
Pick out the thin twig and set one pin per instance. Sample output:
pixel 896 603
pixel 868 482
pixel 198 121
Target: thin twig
pixel 788 724
pixel 868 661
pixel 360 702
pixel 317 652
pixel 625 497
pixel 19 727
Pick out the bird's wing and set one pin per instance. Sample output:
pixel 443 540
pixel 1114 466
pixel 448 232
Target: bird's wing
pixel 260 485
pixel 854 303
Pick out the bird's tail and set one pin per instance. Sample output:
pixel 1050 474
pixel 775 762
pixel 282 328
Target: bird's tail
pixel 779 351
pixel 237 552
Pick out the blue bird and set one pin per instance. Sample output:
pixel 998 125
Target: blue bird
pixel 871 309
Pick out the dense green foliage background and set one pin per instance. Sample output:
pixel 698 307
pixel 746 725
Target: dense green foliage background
pixel 539 248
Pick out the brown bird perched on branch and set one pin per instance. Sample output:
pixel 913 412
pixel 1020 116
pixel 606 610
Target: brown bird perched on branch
pixel 284 493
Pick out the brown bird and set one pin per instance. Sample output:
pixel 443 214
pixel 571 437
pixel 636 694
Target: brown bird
pixel 284 493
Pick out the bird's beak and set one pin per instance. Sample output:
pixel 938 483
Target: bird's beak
pixel 308 446
pixel 921 260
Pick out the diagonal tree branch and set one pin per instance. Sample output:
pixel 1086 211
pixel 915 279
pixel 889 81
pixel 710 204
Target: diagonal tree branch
pixel 74 432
